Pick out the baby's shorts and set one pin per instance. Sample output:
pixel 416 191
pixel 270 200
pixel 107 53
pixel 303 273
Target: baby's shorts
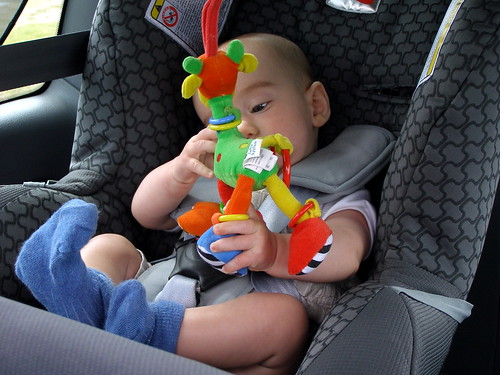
pixel 144 265
pixel 317 298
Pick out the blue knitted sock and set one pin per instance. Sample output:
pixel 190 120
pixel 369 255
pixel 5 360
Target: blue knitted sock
pixel 50 265
pixel 130 315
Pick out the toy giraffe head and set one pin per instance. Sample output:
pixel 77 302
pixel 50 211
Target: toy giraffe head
pixel 215 72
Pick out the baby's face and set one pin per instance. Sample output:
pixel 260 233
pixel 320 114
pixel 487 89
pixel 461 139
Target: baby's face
pixel 272 101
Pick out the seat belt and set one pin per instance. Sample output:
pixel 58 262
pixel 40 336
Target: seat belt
pixel 274 218
pixel 42 60
pixel 183 290
pixel 180 289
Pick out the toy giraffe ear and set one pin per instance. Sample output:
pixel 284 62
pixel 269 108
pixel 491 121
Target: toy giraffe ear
pixel 192 65
pixel 248 63
pixel 235 51
pixel 189 86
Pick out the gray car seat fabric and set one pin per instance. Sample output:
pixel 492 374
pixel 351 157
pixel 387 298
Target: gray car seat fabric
pixel 436 199
pixel 55 345
pixel 436 203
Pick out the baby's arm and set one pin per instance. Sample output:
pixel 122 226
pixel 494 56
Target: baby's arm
pixel 351 243
pixel 267 251
pixel 165 187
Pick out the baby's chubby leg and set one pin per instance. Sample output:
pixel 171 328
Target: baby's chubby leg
pixel 113 255
pixel 51 266
pixel 258 333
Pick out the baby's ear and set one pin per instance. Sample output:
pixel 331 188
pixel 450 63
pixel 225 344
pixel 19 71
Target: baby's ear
pixel 320 104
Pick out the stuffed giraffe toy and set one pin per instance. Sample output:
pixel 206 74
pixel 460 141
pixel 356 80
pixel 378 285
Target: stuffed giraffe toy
pixel 243 165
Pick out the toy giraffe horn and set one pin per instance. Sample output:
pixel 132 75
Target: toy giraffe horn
pixel 209 26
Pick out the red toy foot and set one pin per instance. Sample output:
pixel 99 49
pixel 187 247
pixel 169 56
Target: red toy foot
pixel 198 220
pixel 309 244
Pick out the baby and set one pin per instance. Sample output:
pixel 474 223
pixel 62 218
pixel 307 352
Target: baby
pixel 260 332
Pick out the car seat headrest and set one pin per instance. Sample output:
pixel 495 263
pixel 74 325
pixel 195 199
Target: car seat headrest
pixel 355 6
pixel 181 20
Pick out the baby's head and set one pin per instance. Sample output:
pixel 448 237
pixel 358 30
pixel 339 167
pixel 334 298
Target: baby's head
pixel 280 52
pixel 279 96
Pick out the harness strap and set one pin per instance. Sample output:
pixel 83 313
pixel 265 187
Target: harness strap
pixel 180 289
pixel 456 308
pixel 275 219
pixel 183 289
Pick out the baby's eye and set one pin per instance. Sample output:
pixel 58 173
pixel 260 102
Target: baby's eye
pixel 259 107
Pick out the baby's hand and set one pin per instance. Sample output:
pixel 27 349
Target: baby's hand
pixel 257 242
pixel 196 159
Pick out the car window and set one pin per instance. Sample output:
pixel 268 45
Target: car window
pixel 9 8
pixel 24 20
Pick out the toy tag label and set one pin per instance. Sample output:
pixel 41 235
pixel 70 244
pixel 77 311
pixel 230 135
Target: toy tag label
pixel 254 148
pixel 258 159
pixel 181 20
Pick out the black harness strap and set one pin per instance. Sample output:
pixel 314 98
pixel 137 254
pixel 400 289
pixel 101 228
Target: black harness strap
pixel 42 60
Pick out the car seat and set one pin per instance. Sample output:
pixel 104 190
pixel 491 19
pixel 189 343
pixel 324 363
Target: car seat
pixel 436 200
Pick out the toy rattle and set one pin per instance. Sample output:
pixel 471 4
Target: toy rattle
pixel 243 165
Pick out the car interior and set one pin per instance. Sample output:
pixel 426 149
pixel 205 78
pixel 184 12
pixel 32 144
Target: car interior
pixel 110 111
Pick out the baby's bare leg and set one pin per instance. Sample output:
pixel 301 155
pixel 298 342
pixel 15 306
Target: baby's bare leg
pixel 113 255
pixel 259 333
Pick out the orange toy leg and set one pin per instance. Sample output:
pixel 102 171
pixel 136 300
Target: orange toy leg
pixel 241 197
pixel 198 220
pixel 225 191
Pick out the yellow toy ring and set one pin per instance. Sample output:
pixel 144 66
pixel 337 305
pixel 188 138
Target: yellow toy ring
pixel 233 217
pixel 227 126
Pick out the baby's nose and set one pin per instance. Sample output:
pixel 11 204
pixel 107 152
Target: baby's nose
pixel 248 129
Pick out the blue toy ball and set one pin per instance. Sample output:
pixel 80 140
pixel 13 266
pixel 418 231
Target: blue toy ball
pixel 217 260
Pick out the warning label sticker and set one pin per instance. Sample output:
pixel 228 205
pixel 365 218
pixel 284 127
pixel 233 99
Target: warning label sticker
pixel 181 20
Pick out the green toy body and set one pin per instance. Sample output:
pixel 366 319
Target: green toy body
pixel 230 153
